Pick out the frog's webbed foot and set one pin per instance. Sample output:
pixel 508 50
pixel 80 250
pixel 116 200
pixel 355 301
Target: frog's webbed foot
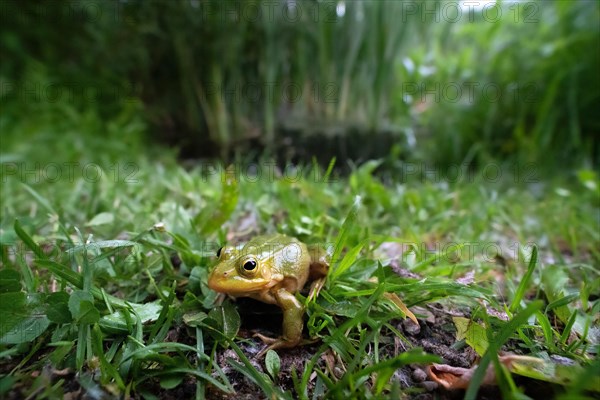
pixel 266 339
pixel 275 343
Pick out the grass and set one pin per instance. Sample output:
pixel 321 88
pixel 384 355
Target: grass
pixel 105 255
pixel 539 104
pixel 273 72
pixel 107 278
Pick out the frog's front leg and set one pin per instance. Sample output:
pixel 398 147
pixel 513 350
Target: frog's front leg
pixel 293 323
pixel 319 265
pixel 315 289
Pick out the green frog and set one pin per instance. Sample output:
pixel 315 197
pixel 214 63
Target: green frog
pixel 271 269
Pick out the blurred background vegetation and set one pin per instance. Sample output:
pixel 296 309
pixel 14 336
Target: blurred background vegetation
pixel 438 81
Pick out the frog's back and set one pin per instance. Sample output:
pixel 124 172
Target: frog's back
pixel 286 255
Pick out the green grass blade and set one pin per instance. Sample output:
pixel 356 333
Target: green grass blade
pixel 29 242
pixel 347 226
pixel 348 260
pixel 247 369
pixel 46 204
pixel 62 271
pixel 524 284
pixel 496 343
pixel 213 217
pixel 76 280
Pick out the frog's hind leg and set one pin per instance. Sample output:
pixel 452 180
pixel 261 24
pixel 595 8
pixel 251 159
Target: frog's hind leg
pixel 292 323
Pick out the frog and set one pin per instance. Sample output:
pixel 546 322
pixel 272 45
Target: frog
pixel 272 269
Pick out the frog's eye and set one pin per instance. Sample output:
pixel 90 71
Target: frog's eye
pixel 249 265
pixel 219 252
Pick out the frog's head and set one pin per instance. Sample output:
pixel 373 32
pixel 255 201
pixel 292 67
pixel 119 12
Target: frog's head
pixel 240 272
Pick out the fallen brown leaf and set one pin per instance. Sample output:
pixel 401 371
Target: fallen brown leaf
pixel 453 378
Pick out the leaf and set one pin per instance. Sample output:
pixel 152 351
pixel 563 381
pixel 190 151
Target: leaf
pixel 102 219
pixel 194 319
pixel 546 370
pixel 59 313
pixel 29 328
pixel 57 297
pixel 197 276
pixel 452 378
pixel 12 309
pixel 6 383
pixel 273 363
pixel 171 381
pixel 117 322
pixel 81 306
pixel 88 313
pixel 344 308
pixel 227 319
pixel 474 334
pixel 101 245
pixel 400 304
pixel 531 367
pixel 57 308
pixel 12 301
pixel 20 321
pixel 225 387
pixel 77 297
pixel 10 281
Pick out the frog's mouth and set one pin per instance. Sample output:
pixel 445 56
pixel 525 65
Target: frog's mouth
pixel 235 285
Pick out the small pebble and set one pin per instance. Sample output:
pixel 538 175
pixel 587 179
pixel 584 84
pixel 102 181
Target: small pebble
pixel 430 386
pixel 410 327
pixel 419 375
pixel 401 376
pixel 338 372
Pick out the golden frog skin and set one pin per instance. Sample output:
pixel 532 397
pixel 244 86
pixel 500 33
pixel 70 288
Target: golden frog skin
pixel 271 268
